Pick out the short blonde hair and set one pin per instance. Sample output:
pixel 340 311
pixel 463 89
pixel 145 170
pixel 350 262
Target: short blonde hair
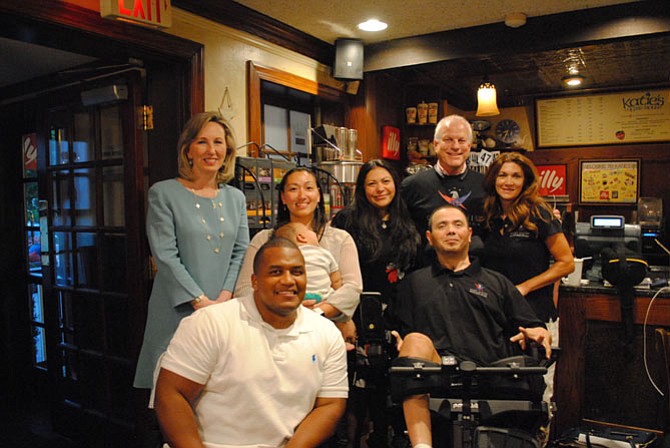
pixel 191 130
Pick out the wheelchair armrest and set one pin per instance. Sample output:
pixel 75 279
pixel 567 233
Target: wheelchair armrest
pixel 538 352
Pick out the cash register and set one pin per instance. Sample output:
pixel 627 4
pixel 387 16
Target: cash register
pixel 600 232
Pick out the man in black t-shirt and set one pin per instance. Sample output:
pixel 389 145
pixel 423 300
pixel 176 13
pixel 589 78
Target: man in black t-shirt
pixel 456 307
pixel 450 181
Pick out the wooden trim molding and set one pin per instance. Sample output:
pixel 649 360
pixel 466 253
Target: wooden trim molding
pixel 257 73
pixel 240 17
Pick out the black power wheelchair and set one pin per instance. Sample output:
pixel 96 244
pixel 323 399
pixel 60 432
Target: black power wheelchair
pixel 498 406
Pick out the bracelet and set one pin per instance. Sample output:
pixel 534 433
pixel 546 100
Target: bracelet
pixel 197 300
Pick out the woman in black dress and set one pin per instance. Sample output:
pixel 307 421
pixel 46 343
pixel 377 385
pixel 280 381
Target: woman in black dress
pixel 388 248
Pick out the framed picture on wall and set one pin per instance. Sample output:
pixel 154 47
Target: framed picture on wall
pixel 610 182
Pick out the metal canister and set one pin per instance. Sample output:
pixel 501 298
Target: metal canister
pixel 352 141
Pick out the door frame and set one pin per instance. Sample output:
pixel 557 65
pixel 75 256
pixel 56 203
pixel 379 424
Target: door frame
pixel 176 69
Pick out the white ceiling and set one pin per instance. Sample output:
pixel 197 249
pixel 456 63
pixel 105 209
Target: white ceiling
pixel 330 20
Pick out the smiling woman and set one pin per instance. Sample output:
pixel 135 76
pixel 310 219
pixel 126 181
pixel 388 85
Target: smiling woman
pixel 198 234
pixel 302 202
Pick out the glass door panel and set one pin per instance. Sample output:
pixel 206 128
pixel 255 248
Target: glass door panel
pixel 84 197
pixel 87 260
pixel 113 248
pixel 64 268
pixel 61 198
pixel 112 196
pixel 37 325
pixel 83 144
pixel 112 133
pixel 59 152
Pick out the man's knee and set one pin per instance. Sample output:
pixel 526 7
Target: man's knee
pixel 418 345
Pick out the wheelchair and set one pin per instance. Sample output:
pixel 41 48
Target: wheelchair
pixel 499 406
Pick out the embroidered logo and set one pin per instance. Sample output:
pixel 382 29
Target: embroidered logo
pixel 458 202
pixel 520 233
pixel 479 290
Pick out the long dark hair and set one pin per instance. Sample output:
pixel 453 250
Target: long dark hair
pixel 528 204
pixel 363 222
pixel 283 214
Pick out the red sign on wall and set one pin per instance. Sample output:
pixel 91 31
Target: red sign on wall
pixel 29 142
pixel 553 180
pixel 391 143
pixel 156 13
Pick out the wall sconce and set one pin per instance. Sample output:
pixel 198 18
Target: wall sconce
pixel 573 80
pixel 486 99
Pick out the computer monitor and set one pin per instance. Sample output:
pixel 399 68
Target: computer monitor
pixel 605 231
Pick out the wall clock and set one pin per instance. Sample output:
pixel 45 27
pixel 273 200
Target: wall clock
pixel 507 131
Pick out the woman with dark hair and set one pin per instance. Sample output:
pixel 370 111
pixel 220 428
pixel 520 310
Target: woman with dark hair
pixel 524 236
pixel 387 241
pixel 302 201
pixel 198 234
pixel 388 248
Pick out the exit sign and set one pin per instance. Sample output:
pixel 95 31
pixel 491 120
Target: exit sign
pixel 155 13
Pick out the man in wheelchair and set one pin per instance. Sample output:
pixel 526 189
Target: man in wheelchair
pixel 455 308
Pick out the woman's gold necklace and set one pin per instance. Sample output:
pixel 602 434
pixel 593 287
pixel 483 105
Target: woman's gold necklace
pixel 217 211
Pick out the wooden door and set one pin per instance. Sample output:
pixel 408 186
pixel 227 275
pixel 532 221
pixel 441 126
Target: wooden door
pixel 93 263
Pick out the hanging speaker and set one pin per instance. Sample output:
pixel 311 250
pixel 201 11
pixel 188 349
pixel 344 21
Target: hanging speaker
pixel 348 59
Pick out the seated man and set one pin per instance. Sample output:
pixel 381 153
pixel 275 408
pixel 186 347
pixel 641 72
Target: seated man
pixel 455 307
pixel 257 371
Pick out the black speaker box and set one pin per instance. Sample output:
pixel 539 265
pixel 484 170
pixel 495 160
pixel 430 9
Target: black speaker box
pixel 348 59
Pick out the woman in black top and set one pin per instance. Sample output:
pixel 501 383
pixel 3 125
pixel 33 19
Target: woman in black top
pixel 524 236
pixel 388 248
pixel 387 241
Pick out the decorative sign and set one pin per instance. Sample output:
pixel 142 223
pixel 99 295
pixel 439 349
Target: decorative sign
pixel 609 181
pixel 155 13
pixel 639 116
pixel 553 180
pixel 29 143
pixel 391 143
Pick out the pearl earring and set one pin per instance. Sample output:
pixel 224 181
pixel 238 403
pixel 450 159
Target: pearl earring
pixel 190 163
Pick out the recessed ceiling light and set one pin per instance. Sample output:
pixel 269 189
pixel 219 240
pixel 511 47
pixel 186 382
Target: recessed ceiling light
pixel 515 19
pixel 573 80
pixel 372 25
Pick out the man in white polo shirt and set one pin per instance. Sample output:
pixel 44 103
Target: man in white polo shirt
pixel 258 371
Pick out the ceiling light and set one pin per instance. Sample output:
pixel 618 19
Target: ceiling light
pixel 372 25
pixel 573 80
pixel 486 99
pixel 515 19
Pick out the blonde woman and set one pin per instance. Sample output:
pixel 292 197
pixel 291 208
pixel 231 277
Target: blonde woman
pixel 198 234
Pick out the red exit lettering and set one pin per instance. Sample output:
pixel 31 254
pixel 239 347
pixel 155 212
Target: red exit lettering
pixel 138 11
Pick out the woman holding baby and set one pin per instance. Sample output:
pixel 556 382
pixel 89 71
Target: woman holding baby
pixel 302 202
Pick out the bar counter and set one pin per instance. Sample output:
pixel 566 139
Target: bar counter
pixel 583 312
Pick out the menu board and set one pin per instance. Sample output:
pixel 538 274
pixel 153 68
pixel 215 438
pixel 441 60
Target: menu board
pixel 604 119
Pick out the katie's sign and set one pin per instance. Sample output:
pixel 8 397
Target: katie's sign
pixel 157 13
pixel 553 180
